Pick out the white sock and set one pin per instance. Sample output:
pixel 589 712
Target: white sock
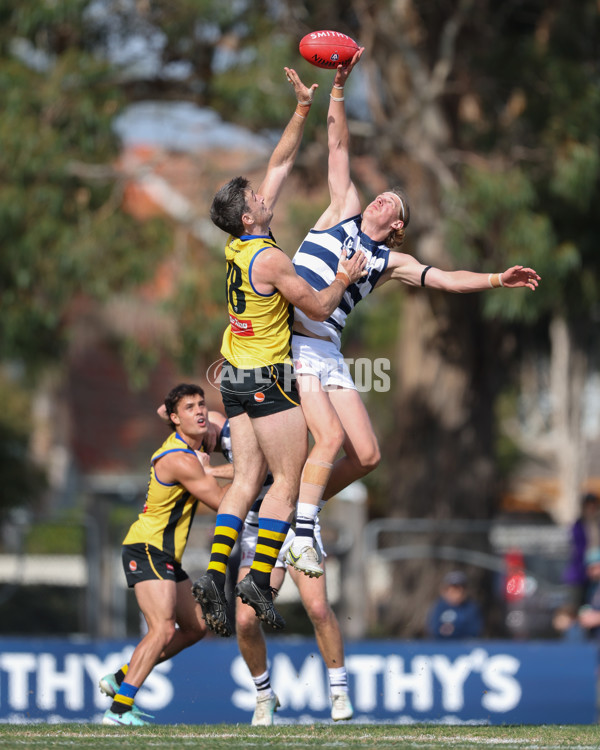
pixel 338 680
pixel 263 685
pixel 306 515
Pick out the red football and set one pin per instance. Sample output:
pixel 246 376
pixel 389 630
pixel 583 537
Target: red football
pixel 327 49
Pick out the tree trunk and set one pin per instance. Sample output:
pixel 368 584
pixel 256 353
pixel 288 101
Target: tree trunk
pixel 438 453
pixel 568 371
pixel 441 450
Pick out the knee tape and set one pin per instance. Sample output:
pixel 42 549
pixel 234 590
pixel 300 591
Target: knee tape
pixel 314 478
pixel 316 472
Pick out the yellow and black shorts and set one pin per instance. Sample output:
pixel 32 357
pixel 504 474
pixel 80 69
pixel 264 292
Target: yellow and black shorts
pixel 143 562
pixel 258 392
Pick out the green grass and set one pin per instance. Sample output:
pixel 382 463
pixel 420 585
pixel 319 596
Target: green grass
pixel 298 737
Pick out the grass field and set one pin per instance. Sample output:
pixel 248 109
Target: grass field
pixel 297 737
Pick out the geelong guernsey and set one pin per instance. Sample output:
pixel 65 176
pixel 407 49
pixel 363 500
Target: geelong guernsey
pixel 317 259
pixel 166 519
pixel 259 330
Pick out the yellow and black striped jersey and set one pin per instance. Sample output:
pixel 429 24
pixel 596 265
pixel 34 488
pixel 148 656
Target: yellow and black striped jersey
pixel 259 330
pixel 166 519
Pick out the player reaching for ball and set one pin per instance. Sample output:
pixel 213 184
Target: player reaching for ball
pixel 261 402
pixel 332 406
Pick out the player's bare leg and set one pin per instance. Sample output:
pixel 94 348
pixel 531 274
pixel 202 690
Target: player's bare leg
pixel 328 434
pixel 253 648
pixel 190 626
pixel 283 439
pixel 250 470
pixel 360 445
pixel 313 592
pixel 157 601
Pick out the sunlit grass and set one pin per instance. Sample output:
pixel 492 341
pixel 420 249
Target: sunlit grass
pixel 350 736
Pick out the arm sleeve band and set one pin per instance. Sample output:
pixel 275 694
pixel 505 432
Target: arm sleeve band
pixel 424 274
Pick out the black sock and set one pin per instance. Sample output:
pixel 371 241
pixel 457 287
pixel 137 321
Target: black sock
pixel 119 708
pixel 219 578
pixel 262 580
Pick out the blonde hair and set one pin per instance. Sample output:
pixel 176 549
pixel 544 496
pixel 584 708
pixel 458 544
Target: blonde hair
pixel 396 237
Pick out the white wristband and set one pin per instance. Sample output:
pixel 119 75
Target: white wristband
pixel 500 279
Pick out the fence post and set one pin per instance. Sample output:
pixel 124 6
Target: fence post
pixel 350 513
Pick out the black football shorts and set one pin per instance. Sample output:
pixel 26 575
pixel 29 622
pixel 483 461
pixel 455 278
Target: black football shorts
pixel 143 562
pixel 258 392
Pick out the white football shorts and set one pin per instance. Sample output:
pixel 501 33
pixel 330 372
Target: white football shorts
pixel 323 360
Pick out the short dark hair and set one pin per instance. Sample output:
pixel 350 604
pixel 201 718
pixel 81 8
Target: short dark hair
pixel 176 394
pixel 228 206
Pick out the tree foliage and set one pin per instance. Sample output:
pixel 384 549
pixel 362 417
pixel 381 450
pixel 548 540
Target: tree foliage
pixel 63 234
pixel 536 183
pixel 62 231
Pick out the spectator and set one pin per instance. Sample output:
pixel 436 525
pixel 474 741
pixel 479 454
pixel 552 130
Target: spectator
pixel 454 615
pixel 565 623
pixel 589 615
pixel 585 533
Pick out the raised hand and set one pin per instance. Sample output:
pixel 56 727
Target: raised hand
pixel 304 94
pixel 343 71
